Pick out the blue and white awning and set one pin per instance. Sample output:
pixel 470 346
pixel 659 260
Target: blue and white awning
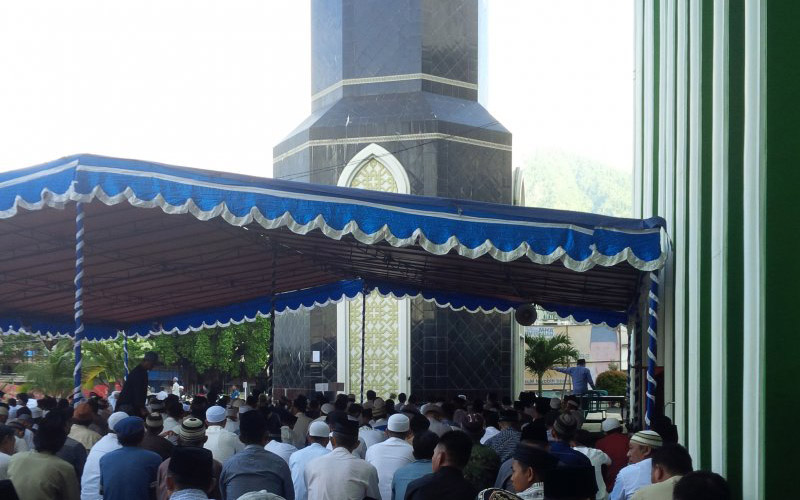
pixel 221 248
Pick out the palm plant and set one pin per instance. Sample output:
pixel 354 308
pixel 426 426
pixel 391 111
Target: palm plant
pixel 104 361
pixel 545 353
pixel 53 374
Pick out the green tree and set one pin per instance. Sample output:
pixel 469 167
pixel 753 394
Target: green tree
pixel 52 374
pixel 104 362
pixel 545 353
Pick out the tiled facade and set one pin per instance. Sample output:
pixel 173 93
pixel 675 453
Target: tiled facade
pixel 403 75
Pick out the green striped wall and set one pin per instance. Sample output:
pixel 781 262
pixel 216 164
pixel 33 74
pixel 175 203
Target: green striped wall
pixel 721 170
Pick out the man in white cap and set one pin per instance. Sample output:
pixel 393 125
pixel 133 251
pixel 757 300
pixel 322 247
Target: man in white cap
pixel 636 475
pixel 318 438
pixel 90 480
pixel 176 387
pixel 391 454
pixel 615 445
pixel 435 414
pixel 223 444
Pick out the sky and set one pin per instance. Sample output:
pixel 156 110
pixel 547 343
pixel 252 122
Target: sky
pixel 215 85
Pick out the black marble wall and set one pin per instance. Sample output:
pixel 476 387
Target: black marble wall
pixel 450 146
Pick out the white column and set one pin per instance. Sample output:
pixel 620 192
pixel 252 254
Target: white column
pixel 719 221
pixel 638 85
pixel 648 122
pixel 755 110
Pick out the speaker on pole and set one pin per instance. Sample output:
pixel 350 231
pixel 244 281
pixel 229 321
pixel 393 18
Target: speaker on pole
pixel 525 315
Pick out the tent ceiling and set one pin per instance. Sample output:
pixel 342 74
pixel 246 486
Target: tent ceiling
pixel 142 264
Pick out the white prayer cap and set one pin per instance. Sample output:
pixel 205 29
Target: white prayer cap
pixel 215 414
pixel 32 403
pixel 260 495
pixel 244 409
pixel 319 429
pixel 327 408
pixel 115 418
pixel 398 423
pixel 611 423
pixel 555 403
pixel 161 396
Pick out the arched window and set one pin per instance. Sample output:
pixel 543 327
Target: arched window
pixel 386 361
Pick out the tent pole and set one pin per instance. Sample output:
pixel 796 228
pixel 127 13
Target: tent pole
pixel 78 306
pixel 652 328
pixel 363 336
pixel 125 352
pixel 271 346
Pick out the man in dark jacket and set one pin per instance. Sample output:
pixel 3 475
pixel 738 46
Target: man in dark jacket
pixel 447 481
pixel 134 391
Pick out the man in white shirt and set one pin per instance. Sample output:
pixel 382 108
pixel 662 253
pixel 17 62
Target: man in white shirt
pixel 391 454
pixel 90 480
pixel 435 415
pixel 318 436
pixel 339 475
pixel 223 444
pixel 176 387
pixel 7 439
pixel 598 458
pixel 670 463
pixel 637 474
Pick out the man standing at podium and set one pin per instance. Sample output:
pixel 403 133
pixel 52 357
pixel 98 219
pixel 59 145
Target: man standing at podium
pixel 581 377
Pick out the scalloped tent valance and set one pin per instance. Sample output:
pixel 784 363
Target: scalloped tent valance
pixel 218 248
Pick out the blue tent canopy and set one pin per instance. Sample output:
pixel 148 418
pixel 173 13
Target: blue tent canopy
pixel 218 248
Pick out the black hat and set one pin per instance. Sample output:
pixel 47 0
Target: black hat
pixel 531 456
pixel 191 464
pixel 535 431
pixel 570 482
pixel 509 416
pixel 346 427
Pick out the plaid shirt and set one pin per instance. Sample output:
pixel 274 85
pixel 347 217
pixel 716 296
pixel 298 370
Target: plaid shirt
pixel 504 443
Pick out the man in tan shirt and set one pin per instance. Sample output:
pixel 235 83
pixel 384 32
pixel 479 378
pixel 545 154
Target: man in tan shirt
pixel 80 432
pixel 669 464
pixel 40 475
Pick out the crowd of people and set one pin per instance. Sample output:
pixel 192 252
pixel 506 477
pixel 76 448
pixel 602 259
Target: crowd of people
pixel 312 447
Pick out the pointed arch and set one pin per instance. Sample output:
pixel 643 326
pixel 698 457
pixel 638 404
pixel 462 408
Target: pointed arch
pixel 385 158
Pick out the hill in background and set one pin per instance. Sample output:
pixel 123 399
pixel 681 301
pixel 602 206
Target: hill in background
pixel 567 181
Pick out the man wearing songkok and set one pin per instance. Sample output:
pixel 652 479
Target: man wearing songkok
pixel 669 464
pixel 189 473
pixel 483 465
pixel 391 454
pixel 535 435
pixel 300 429
pixel 424 444
pixel 90 480
pixel 529 466
pixel 40 474
pixel 223 444
pixel 80 432
pixel 318 437
pixel 435 414
pixel 134 391
pixel 255 468
pixel 72 451
pixel 379 421
pixel 581 377
pixel 340 475
pixel 506 441
pixel 129 473
pixel 447 481
pixel 615 445
pixel 191 433
pixel 702 485
pixel 153 441
pixel 569 483
pixel 637 474
pixel 281 437
pixel 563 431
pixel 491 422
pixel 583 441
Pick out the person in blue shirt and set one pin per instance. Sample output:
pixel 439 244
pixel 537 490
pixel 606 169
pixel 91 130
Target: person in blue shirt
pixel 129 473
pixel 581 377
pixel 424 443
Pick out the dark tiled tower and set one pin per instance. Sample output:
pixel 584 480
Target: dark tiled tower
pixel 398 82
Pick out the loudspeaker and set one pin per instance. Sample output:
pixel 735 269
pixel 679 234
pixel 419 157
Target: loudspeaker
pixel 525 315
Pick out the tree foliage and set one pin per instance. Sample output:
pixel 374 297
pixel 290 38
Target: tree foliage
pixel 545 353
pixel 104 362
pixel 613 381
pixel 52 373
pixel 566 181
pixel 238 350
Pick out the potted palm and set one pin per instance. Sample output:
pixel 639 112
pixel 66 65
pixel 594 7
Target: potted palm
pixel 545 353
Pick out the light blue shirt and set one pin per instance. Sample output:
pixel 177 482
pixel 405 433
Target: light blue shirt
pixel 297 464
pixel 630 479
pixel 407 473
pixel 255 469
pixel 581 378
